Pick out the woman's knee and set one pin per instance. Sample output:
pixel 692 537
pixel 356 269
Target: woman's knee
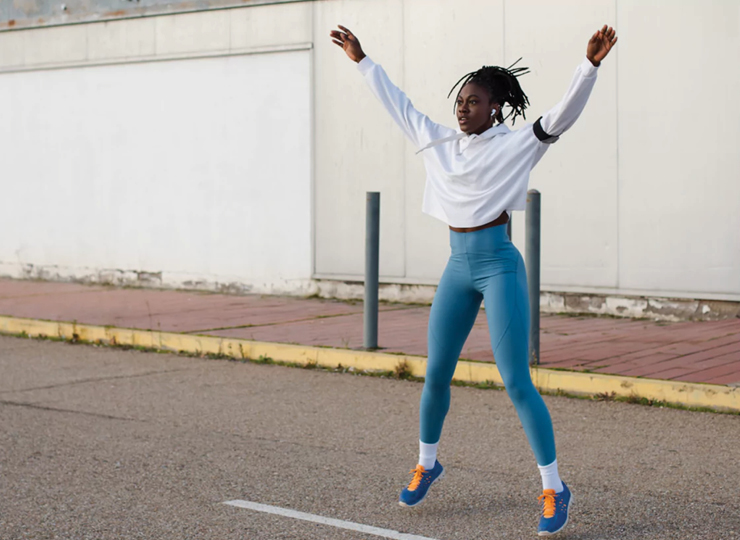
pixel 440 371
pixel 436 387
pixel 519 388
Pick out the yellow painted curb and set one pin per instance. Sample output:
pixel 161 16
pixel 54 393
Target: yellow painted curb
pixel 713 396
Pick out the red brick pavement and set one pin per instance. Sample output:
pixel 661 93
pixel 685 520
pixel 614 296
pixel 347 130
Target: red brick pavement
pixel 687 351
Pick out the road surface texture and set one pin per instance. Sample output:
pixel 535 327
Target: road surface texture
pixel 100 443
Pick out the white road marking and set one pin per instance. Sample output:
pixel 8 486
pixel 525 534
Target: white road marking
pixel 338 523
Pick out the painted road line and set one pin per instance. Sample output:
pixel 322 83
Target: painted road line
pixel 338 523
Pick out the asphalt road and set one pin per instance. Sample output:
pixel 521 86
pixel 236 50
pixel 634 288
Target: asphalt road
pixel 100 443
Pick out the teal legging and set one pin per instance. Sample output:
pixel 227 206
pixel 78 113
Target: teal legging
pixel 484 266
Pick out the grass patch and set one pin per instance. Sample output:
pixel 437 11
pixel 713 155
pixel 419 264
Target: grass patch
pixel 403 370
pixel 634 399
pixel 485 385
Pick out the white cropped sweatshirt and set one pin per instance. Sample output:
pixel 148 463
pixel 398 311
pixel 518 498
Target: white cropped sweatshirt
pixel 472 179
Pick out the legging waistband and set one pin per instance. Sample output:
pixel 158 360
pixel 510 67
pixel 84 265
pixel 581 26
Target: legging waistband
pixel 482 241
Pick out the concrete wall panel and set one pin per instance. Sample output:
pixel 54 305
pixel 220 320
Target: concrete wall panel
pixel 441 45
pixel 174 167
pixel 271 26
pixel 358 148
pixel 578 175
pixel 193 33
pixel 12 52
pixel 640 197
pixel 134 38
pixel 678 140
pixel 55 45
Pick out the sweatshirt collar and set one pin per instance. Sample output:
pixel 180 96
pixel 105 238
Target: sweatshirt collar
pixel 490 133
pixel 466 140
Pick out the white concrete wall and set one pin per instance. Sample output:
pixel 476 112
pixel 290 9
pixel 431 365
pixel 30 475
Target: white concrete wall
pixel 679 167
pixel 578 176
pixel 641 197
pixel 196 168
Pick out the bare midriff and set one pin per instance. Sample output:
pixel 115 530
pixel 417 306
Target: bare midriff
pixel 501 220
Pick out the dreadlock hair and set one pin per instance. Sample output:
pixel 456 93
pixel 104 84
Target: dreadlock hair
pixel 503 87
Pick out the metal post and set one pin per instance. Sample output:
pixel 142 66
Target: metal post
pixel 372 248
pixel 532 256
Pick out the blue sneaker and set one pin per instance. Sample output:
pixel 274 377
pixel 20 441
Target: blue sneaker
pixel 555 508
pixel 420 484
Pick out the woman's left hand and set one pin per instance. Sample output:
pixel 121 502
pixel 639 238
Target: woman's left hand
pixel 600 44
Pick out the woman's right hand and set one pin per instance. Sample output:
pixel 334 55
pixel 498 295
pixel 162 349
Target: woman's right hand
pixel 349 42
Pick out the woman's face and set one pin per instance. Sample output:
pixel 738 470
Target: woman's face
pixel 474 109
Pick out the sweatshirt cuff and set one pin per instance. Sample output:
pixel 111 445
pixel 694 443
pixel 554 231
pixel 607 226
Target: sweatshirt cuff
pixel 365 65
pixel 588 69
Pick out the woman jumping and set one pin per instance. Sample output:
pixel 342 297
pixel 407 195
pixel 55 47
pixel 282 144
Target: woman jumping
pixel 476 176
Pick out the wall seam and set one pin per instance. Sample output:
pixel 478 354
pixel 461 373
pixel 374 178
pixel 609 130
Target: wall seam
pixel 404 147
pixel 312 108
pixel 618 183
pixel 503 30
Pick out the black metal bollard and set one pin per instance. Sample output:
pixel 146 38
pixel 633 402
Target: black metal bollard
pixel 372 255
pixel 532 256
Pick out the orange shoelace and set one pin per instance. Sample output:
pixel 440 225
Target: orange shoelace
pixel 416 480
pixel 548 500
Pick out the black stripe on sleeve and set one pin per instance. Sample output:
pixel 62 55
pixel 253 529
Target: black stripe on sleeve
pixel 541 134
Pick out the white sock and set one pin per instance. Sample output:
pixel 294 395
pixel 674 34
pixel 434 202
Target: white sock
pixel 427 455
pixel 550 477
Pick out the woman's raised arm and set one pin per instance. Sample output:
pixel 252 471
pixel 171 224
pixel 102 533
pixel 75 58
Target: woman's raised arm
pixel 418 127
pixel 561 117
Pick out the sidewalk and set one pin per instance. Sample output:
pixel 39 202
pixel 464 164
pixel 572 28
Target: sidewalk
pixel 698 352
